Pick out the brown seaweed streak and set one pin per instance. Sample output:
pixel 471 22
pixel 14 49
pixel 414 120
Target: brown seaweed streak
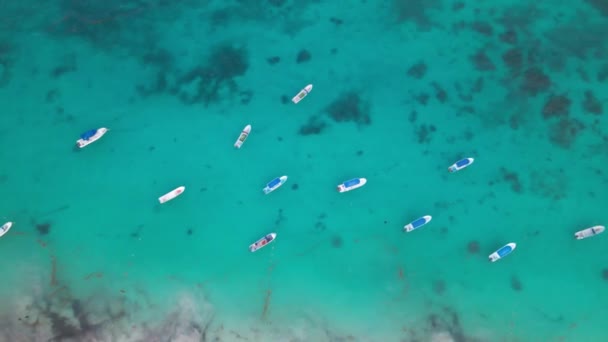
pixel 266 304
pixel 53 270
pixel 102 20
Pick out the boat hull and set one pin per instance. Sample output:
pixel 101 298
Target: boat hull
pixel 418 223
pixel 171 194
pixel 455 167
pixel 263 242
pixel 270 188
pixel 5 228
pixel 302 94
pixel 100 133
pixel 502 252
pixel 343 188
pixel 242 137
pixel 589 232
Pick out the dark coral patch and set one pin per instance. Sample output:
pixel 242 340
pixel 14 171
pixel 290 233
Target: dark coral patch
pixel 516 284
pixel 535 81
pixel 349 108
pixel 43 228
pixel 336 241
pixel 473 247
pixel 295 186
pixel 313 126
pixel 605 274
pixel 336 21
pixel 509 37
pixel 513 58
pixel 556 106
pixel 600 5
pixel 440 94
pixel 273 60
pixel 591 104
pixel 439 287
pixel 303 56
pixel 482 27
pixel 564 132
pixel 482 62
pixel 417 70
pixel 512 178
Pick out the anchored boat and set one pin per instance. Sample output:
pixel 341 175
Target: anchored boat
pixel 263 242
pixel 351 184
pixel 171 194
pixel 502 252
pixel 302 94
pixel 5 228
pixel 243 136
pixel 461 164
pixel 589 232
pixel 417 223
pixel 274 184
pixel 91 136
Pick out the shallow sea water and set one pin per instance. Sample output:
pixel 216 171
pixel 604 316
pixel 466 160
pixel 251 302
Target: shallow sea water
pixel 402 89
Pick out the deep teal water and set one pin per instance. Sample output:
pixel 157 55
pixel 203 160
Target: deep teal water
pixel 402 89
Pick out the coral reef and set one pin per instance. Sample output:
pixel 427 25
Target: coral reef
pixel 509 37
pixel 303 56
pixel 313 126
pixel 556 106
pixel 535 81
pixel 43 228
pixel 482 28
pixel 349 107
pixel 600 5
pixel 564 132
pixel 415 11
pixel 473 247
pixel 516 284
pixel 417 70
pixel 482 62
pixel 336 241
pixel 440 94
pixel 512 178
pixel 514 59
pixel 591 104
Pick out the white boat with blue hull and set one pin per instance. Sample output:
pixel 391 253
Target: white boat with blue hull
pixel 417 223
pixel 274 184
pixel 502 252
pixel 351 184
pixel 589 232
pixel 91 136
pixel 5 228
pixel 263 242
pixel 461 164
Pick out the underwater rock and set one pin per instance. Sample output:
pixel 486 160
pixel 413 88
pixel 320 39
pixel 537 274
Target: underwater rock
pixel 535 81
pixel 336 21
pixel 273 60
pixel 564 133
pixel 440 94
pixel 336 241
pixel 556 106
pixel 509 37
pixel 349 108
pixel 473 247
pixel 439 287
pixel 600 5
pixel 512 178
pixel 605 274
pixel 43 228
pixel 513 58
pixel 482 27
pixel 516 284
pixel 313 126
pixel 482 62
pixel 591 104
pixel 303 56
pixel 417 70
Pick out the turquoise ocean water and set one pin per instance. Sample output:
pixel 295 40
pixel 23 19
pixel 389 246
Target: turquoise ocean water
pixel 402 89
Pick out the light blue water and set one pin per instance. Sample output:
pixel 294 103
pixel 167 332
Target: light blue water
pixel 402 90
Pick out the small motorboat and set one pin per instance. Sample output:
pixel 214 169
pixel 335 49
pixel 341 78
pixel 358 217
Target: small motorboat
pixel 302 94
pixel 351 184
pixel 5 228
pixel 244 134
pixel 417 223
pixel 171 194
pixel 461 164
pixel 589 232
pixel 91 136
pixel 263 242
pixel 502 251
pixel 274 184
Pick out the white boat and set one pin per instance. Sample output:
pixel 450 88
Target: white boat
pixel 351 184
pixel 592 231
pixel 461 164
pixel 171 194
pixel 5 228
pixel 302 94
pixel 274 184
pixel 263 242
pixel 417 223
pixel 91 136
pixel 502 251
pixel 244 134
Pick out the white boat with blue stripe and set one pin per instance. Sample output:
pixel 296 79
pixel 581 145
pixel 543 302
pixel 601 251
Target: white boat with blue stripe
pixel 274 184
pixel 502 252
pixel 351 184
pixel 91 136
pixel 589 232
pixel 5 228
pixel 417 223
pixel 461 164
pixel 302 94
